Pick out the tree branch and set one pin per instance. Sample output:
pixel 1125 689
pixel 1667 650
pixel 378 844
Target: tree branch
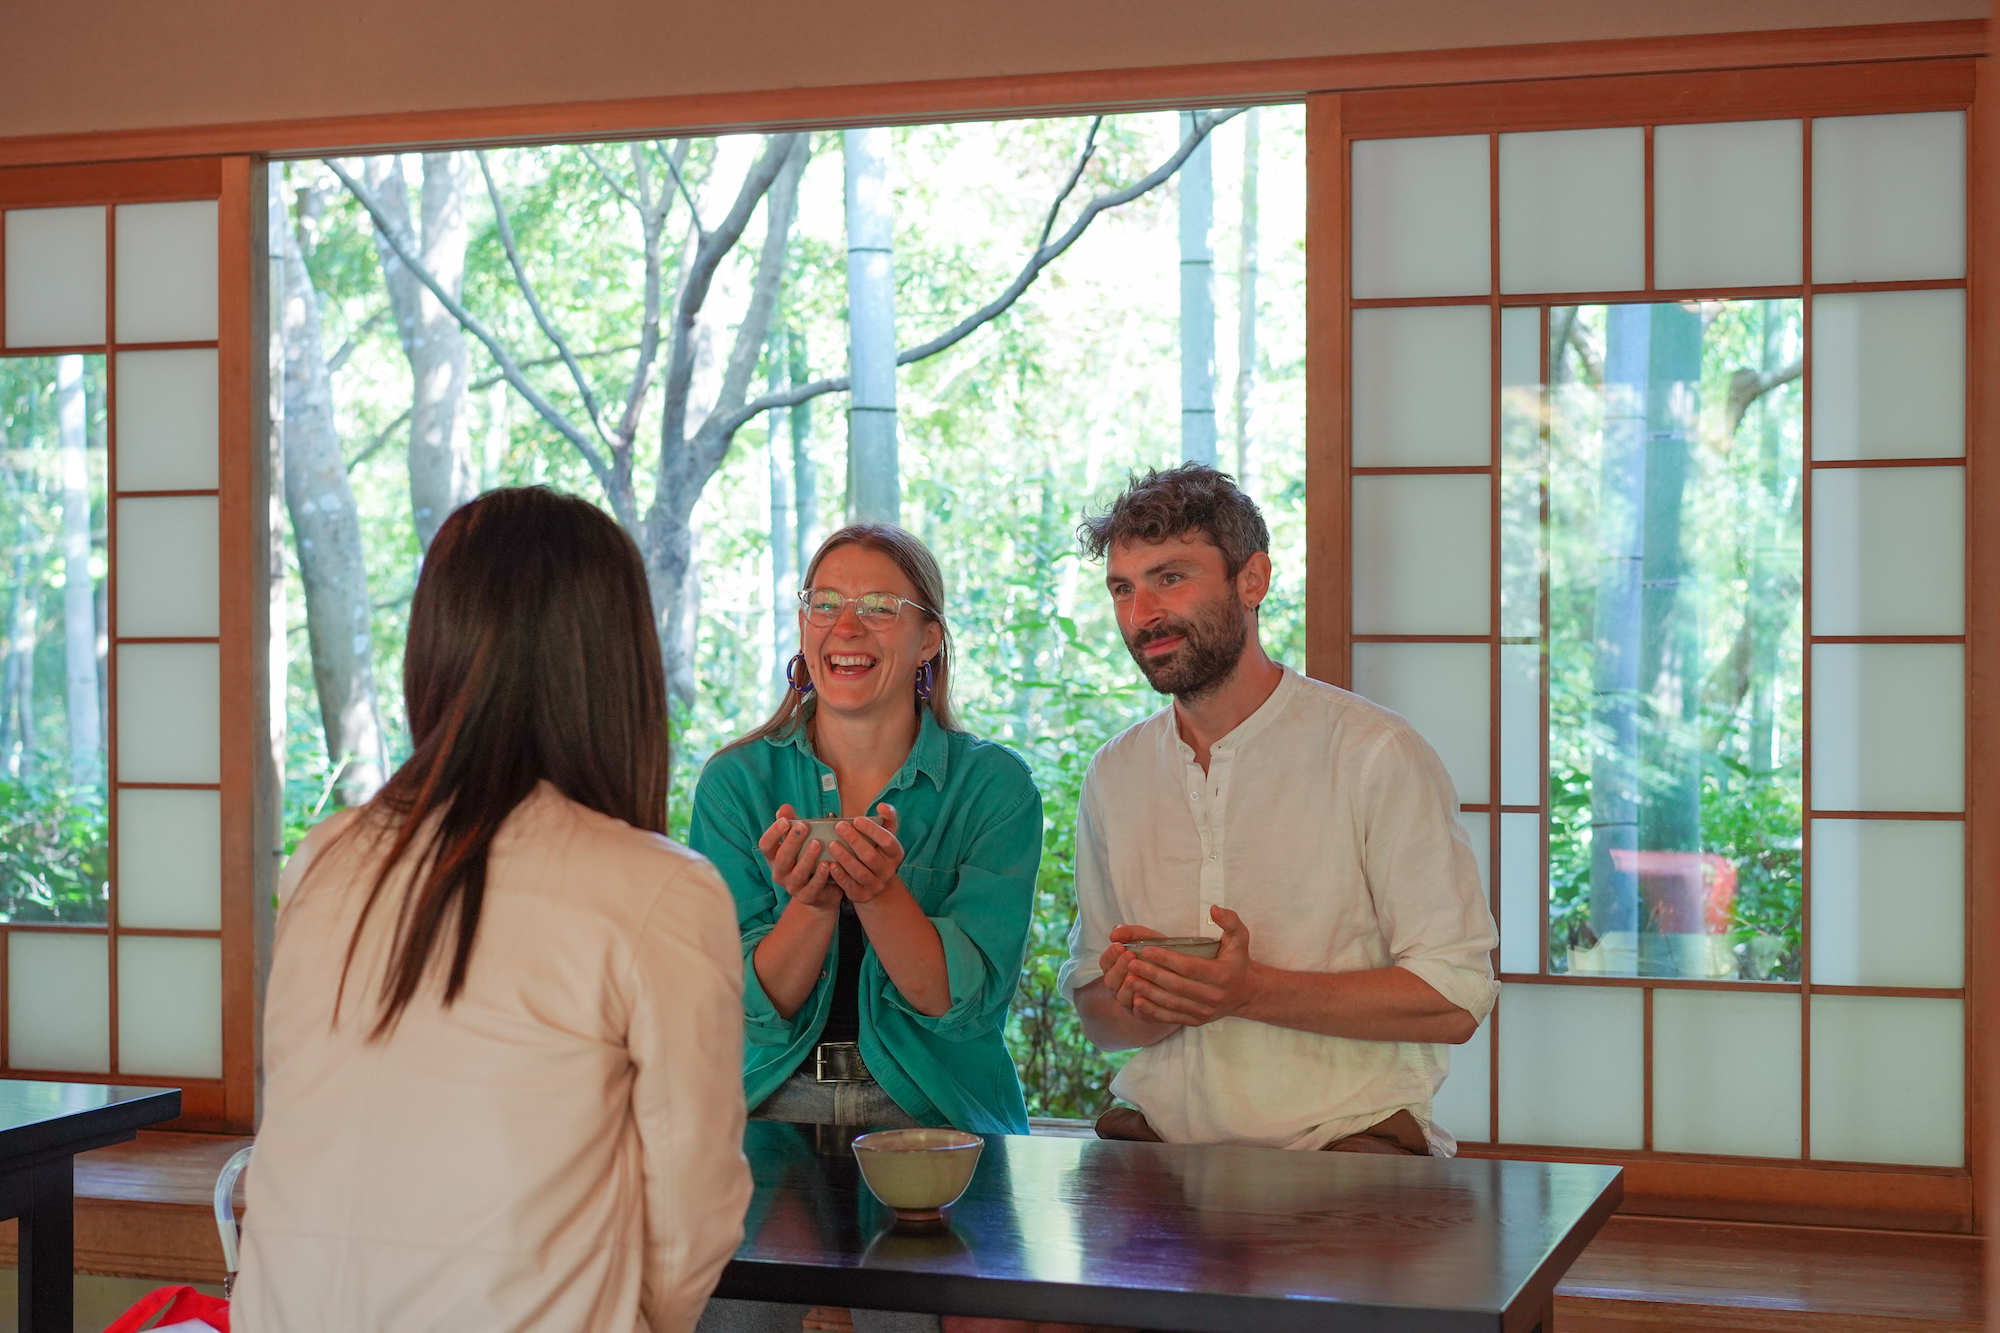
pixel 1082 161
pixel 406 252
pixel 673 165
pixel 548 327
pixel 590 156
pixel 1746 386
pixel 1045 254
pixel 348 348
pixel 370 449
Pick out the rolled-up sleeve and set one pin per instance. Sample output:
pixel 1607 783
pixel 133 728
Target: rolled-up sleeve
pixel 984 918
pixel 724 828
pixel 1096 908
pixel 685 1043
pixel 1422 874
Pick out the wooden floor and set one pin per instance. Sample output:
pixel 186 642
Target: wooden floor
pixel 144 1210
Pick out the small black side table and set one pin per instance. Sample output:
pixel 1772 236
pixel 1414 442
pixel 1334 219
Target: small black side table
pixel 43 1126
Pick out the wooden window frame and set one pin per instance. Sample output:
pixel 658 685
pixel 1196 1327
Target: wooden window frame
pixel 247 772
pixel 1736 64
pixel 1757 1189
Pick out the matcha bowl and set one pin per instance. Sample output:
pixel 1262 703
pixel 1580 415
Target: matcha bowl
pixel 1194 946
pixel 918 1173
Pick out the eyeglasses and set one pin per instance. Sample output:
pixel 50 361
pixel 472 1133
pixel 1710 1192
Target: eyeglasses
pixel 824 605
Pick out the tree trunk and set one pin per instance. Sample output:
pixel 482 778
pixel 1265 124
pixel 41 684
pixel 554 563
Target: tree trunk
pixel 1615 647
pixel 1197 302
pixel 327 529
pixel 86 742
pixel 874 483
pixel 783 583
pixel 1246 298
pixel 1767 618
pixel 442 473
pixel 805 476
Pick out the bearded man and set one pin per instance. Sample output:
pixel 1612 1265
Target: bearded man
pixel 1314 832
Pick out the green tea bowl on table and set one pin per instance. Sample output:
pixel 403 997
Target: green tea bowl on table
pixel 1193 946
pixel 918 1173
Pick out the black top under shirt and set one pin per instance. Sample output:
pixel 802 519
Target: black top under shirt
pixel 843 1019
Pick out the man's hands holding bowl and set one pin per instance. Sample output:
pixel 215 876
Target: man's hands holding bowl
pixel 862 866
pixel 1162 986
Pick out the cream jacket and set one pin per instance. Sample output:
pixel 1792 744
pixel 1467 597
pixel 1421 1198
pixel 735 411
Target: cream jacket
pixel 560 1150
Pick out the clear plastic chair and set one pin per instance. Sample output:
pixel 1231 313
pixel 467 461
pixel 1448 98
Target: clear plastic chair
pixel 225 1215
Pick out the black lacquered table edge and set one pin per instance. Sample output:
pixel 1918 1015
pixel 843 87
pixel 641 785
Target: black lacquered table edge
pixel 38 1186
pixel 1170 1311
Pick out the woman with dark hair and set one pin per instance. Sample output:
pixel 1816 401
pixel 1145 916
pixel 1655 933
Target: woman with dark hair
pixel 876 981
pixel 503 1028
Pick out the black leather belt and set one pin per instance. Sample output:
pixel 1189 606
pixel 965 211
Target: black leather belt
pixel 839 1062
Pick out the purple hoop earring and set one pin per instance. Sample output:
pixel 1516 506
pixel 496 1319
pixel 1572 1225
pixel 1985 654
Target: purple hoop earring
pixel 795 669
pixel 926 679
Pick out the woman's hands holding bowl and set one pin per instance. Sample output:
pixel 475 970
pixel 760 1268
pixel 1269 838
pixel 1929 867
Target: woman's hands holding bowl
pixel 797 870
pixel 861 866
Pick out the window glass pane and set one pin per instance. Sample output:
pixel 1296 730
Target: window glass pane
pixel 1421 216
pixel 1888 902
pixel 1728 204
pixel 169 712
pixel 1572 1066
pixel 1441 688
pixel 1520 893
pixel 167 257
pixel 1889 550
pixel 1726 1073
pixel 170 859
pixel 1889 197
pixel 58 1002
pixel 1573 211
pixel 1888 726
pixel 167 420
pixel 1423 382
pixel 55 277
pixel 1521 479
pixel 1889 375
pixel 169 568
pixel 1888 1080
pixel 53 861
pixel 1675 639
pixel 1422 554
pixel 170 1006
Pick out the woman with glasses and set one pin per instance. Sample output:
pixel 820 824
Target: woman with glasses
pixel 878 965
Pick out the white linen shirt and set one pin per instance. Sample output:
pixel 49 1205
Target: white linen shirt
pixel 1330 827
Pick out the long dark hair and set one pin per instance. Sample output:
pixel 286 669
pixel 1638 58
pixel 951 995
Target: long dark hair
pixel 920 567
pixel 531 657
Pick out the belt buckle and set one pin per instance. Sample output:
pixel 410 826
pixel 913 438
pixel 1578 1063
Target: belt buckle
pixel 845 1062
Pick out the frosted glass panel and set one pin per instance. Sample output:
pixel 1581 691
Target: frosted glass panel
pixel 169 712
pixel 55 277
pixel 1521 724
pixel 1571 1066
pixel 1889 550
pixel 1889 197
pixel 169 569
pixel 1422 555
pixel 167 420
pixel 1888 1080
pixel 1464 1105
pixel 1521 478
pixel 1888 902
pixel 1521 893
pixel 1726 1073
pixel 1420 217
pixel 170 1007
pixel 1478 831
pixel 1423 385
pixel 58 1002
pixel 170 859
pixel 167 258
pixel 1441 688
pixel 1888 726
pixel 1889 375
pixel 1728 204
pixel 1573 211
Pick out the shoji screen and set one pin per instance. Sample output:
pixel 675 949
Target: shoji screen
pixel 1549 323
pixel 147 275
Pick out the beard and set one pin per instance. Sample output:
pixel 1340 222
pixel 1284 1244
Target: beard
pixel 1211 646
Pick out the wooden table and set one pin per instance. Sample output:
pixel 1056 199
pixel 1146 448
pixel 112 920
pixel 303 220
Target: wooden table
pixel 1156 1236
pixel 43 1126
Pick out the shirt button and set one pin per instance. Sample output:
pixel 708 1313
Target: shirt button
pixel 1195 794
pixel 1211 856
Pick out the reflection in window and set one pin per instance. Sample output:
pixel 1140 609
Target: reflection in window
pixel 1674 506
pixel 53 861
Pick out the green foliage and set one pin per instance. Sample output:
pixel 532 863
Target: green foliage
pixel 54 847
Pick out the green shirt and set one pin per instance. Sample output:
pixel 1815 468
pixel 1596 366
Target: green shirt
pixel 970 821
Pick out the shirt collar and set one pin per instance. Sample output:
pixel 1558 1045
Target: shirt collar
pixel 1247 730
pixel 930 756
